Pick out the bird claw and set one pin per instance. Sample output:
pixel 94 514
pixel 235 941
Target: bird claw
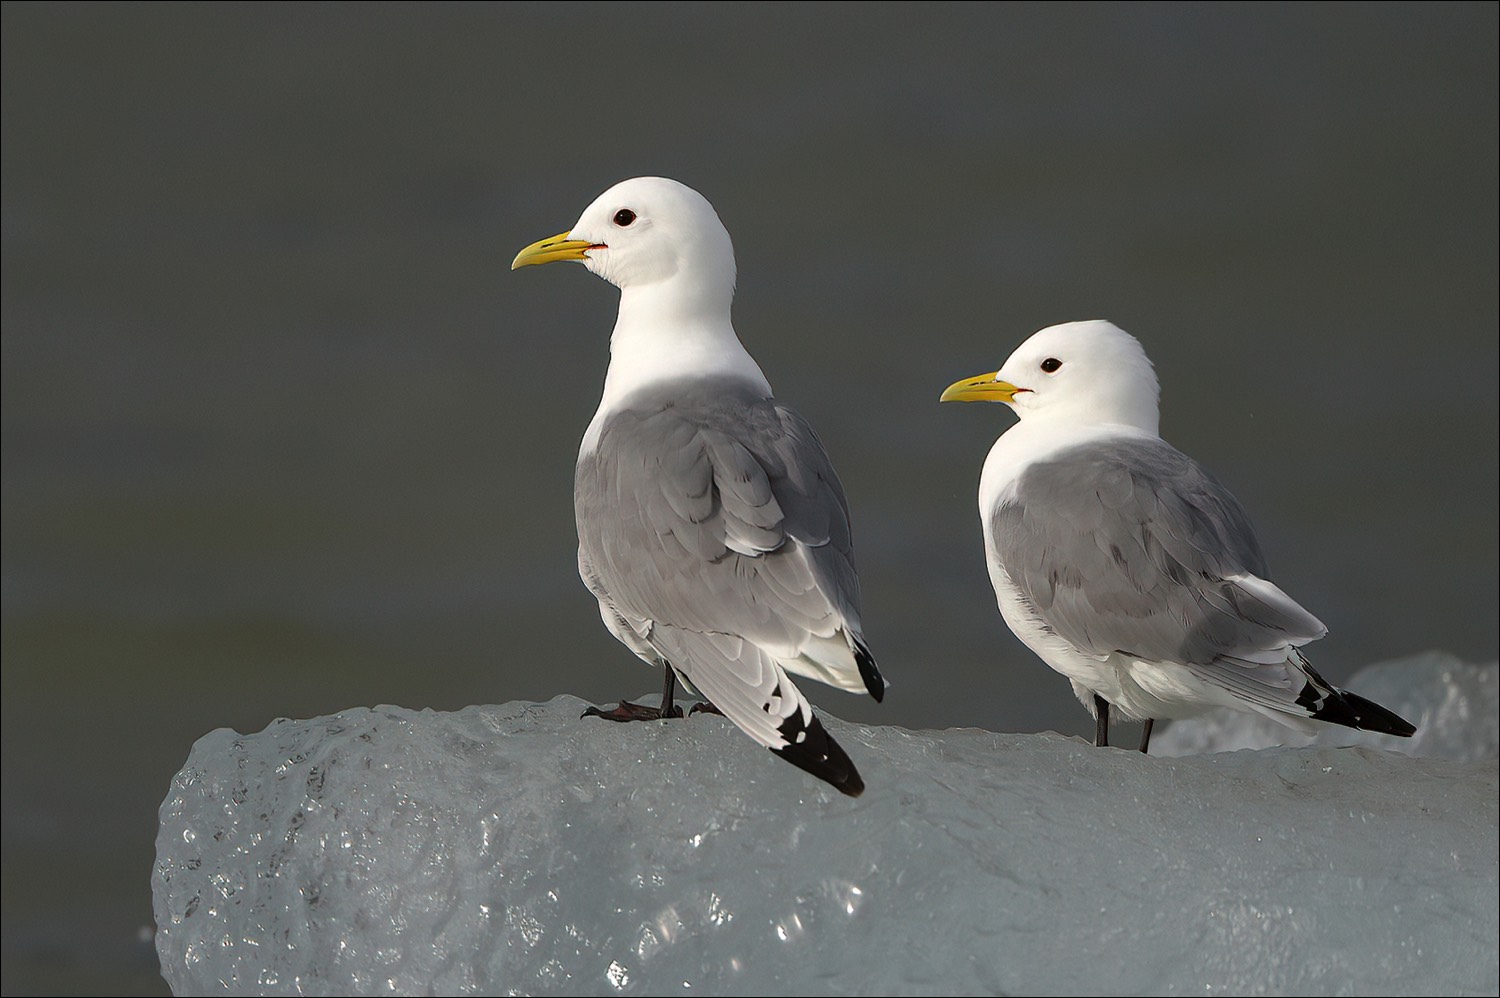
pixel 627 711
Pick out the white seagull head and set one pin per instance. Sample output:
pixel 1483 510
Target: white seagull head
pixel 1077 374
pixel 663 246
pixel 649 232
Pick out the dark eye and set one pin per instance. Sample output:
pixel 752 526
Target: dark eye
pixel 1051 364
pixel 624 217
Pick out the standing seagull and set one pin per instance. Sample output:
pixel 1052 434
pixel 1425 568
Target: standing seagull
pixel 1122 562
pixel 711 525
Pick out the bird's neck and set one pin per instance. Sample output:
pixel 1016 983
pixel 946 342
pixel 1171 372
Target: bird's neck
pixel 664 336
pixel 1031 440
pixel 683 298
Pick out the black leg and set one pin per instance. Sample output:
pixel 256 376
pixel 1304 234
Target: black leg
pixel 1101 721
pixel 1146 734
pixel 627 711
pixel 668 688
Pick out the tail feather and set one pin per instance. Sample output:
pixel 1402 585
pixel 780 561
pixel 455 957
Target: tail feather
pixel 811 748
pixel 1326 702
pixel 751 689
pixel 1354 711
pixel 868 671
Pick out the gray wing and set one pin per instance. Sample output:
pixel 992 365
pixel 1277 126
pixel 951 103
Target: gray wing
pixel 705 509
pixel 1130 546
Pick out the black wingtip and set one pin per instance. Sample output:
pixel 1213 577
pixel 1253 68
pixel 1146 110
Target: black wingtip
pixel 874 681
pixel 812 749
pixel 1354 711
pixel 1326 702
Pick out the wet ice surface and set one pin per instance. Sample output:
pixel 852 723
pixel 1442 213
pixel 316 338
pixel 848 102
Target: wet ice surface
pixel 517 849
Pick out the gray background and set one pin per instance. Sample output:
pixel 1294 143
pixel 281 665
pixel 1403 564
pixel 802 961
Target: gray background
pixel 282 435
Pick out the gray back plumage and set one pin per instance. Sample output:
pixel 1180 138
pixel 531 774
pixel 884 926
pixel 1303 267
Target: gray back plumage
pixel 1128 545
pixel 691 503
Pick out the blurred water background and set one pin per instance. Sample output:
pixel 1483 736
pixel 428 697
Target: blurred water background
pixel 282 435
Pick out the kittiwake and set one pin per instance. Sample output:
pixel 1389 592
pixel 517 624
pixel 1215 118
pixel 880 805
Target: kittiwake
pixel 1124 564
pixel 711 525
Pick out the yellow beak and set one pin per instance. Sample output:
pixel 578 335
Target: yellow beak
pixel 552 249
pixel 983 388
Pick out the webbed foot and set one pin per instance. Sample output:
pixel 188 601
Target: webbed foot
pixel 627 711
